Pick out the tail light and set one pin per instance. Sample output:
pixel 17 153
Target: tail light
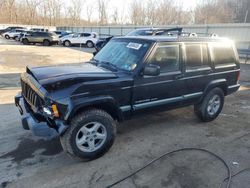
pixel 238 76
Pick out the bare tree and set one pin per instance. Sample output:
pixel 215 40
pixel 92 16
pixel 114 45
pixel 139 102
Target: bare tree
pixel 138 13
pixel 115 17
pixel 102 9
pixel 240 10
pixel 89 12
pixel 213 11
pixel 75 10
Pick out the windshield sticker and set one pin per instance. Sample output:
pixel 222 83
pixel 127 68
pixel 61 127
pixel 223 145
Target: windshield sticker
pixel 133 45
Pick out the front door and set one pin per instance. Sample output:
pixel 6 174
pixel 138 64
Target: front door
pixel 168 87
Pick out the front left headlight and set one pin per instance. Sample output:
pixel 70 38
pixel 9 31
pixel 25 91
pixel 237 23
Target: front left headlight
pixel 53 111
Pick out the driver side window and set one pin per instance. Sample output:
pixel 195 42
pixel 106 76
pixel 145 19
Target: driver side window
pixel 166 57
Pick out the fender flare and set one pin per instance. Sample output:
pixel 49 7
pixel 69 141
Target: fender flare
pixel 221 83
pixel 98 101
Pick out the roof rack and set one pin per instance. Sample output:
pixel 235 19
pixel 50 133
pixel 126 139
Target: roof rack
pixel 190 34
pixel 182 33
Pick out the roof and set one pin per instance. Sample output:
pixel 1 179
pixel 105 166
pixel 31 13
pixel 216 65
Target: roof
pixel 175 38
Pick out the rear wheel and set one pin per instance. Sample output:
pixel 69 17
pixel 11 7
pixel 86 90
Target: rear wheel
pixel 90 44
pixel 16 38
pixel 211 105
pixel 25 41
pixel 46 43
pixel 7 36
pixel 90 135
pixel 67 43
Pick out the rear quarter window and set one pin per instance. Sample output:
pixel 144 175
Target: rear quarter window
pixel 223 54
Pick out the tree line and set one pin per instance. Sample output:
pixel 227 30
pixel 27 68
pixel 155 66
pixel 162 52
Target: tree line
pixel 140 12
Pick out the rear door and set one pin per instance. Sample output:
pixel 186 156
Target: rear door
pixel 33 37
pixel 85 37
pixel 198 68
pixel 168 87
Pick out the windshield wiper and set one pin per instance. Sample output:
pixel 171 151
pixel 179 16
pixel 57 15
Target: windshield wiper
pixel 94 62
pixel 110 65
pixel 105 63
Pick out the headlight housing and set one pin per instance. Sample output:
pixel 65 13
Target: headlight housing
pixel 51 111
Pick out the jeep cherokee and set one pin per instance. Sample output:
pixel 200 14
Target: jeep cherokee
pixel 129 76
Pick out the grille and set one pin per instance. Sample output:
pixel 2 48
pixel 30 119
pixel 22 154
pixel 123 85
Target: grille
pixel 30 95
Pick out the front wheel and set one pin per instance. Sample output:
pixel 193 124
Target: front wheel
pixel 25 41
pixel 7 36
pixel 90 135
pixel 67 43
pixel 211 105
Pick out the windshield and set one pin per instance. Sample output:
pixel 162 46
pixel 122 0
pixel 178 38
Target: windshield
pixel 123 54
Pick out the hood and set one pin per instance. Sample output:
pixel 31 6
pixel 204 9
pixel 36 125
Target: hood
pixel 52 77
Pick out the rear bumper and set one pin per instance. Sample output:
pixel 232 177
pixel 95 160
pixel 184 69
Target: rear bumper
pixel 54 42
pixel 233 88
pixel 40 129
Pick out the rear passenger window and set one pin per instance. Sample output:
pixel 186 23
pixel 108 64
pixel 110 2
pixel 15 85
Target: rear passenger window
pixel 196 56
pixel 86 34
pixel 167 58
pixel 223 54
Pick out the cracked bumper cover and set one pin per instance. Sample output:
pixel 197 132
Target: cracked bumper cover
pixel 40 129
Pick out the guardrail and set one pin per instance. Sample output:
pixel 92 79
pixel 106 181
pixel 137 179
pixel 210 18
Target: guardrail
pixel 244 53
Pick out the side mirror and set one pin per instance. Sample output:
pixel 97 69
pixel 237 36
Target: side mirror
pixel 151 70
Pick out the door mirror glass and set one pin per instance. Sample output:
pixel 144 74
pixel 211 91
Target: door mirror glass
pixel 151 70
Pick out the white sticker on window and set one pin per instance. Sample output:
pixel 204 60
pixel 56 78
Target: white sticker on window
pixel 133 45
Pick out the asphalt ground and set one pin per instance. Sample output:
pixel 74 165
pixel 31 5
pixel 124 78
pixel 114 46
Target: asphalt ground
pixel 28 162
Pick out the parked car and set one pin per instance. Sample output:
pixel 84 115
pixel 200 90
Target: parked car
pixel 61 34
pixel 129 76
pixel 12 34
pixel 102 42
pixel 11 28
pixel 141 32
pixel 88 39
pixel 45 38
pixel 23 34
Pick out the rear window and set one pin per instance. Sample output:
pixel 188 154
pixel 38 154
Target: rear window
pixel 44 34
pixel 223 54
pixel 196 56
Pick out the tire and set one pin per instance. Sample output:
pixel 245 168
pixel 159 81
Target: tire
pixel 90 44
pixel 7 36
pixel 85 128
pixel 46 43
pixel 25 41
pixel 211 105
pixel 67 43
pixel 15 38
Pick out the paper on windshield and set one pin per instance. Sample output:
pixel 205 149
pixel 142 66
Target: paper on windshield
pixel 133 45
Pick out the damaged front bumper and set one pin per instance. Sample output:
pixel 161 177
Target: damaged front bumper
pixel 38 128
